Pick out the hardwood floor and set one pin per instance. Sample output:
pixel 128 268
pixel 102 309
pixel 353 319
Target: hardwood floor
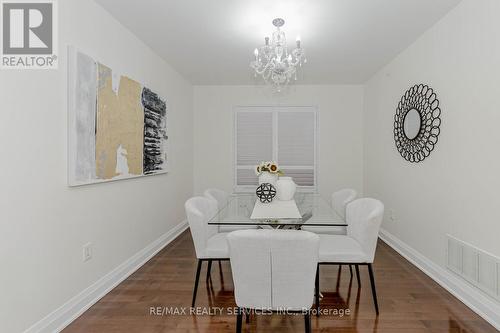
pixel 409 300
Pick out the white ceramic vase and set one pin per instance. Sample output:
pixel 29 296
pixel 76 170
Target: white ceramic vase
pixel 267 177
pixel 285 188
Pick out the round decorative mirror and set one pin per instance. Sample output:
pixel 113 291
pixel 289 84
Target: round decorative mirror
pixel 411 124
pixel 417 123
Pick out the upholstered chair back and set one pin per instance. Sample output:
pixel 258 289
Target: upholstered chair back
pixel 273 269
pixel 199 210
pixel 341 198
pixel 218 195
pixel 364 217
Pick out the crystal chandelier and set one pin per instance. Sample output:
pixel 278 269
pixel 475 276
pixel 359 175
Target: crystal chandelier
pixel 273 61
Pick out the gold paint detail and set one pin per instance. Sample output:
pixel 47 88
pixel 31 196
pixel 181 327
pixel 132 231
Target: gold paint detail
pixel 119 124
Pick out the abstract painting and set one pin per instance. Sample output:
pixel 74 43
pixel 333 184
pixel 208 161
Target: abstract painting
pixel 117 127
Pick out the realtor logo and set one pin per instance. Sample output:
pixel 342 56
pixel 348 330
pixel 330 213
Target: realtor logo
pixel 29 39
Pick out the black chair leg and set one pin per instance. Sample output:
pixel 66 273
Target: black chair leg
pixel 374 292
pixel 350 270
pixel 357 275
pixel 221 276
pixel 307 320
pixel 209 268
pixel 316 286
pixel 196 282
pixel 239 320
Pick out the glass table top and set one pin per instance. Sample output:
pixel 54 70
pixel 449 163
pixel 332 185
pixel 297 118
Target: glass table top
pixel 315 211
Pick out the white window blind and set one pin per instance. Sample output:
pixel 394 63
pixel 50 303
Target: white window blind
pixel 255 137
pixel 286 135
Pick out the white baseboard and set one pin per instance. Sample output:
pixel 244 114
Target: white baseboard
pixel 68 312
pixel 472 297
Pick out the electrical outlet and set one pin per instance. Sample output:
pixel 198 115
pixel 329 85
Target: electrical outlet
pixel 392 215
pixel 87 252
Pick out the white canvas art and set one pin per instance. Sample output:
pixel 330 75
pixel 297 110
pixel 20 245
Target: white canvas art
pixel 117 127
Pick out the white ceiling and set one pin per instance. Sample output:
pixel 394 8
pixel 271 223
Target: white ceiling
pixel 212 41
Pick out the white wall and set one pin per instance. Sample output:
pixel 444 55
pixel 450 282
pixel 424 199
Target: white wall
pixel 43 223
pixel 455 190
pixel 340 132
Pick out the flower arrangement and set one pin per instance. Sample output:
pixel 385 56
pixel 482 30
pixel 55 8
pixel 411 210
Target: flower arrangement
pixel 271 167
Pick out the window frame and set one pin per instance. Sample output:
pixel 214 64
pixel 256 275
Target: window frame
pixel 275 109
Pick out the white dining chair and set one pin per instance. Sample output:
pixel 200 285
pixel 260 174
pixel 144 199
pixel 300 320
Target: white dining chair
pixel 273 270
pixel 222 198
pixel 209 244
pixel 364 217
pixel 340 199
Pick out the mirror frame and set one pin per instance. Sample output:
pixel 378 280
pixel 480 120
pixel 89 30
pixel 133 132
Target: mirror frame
pixel 424 100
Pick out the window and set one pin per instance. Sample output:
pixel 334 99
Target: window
pixel 286 135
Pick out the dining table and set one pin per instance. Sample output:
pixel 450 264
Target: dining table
pixel 306 209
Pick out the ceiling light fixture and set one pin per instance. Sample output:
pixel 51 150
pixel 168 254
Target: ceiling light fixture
pixel 273 61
